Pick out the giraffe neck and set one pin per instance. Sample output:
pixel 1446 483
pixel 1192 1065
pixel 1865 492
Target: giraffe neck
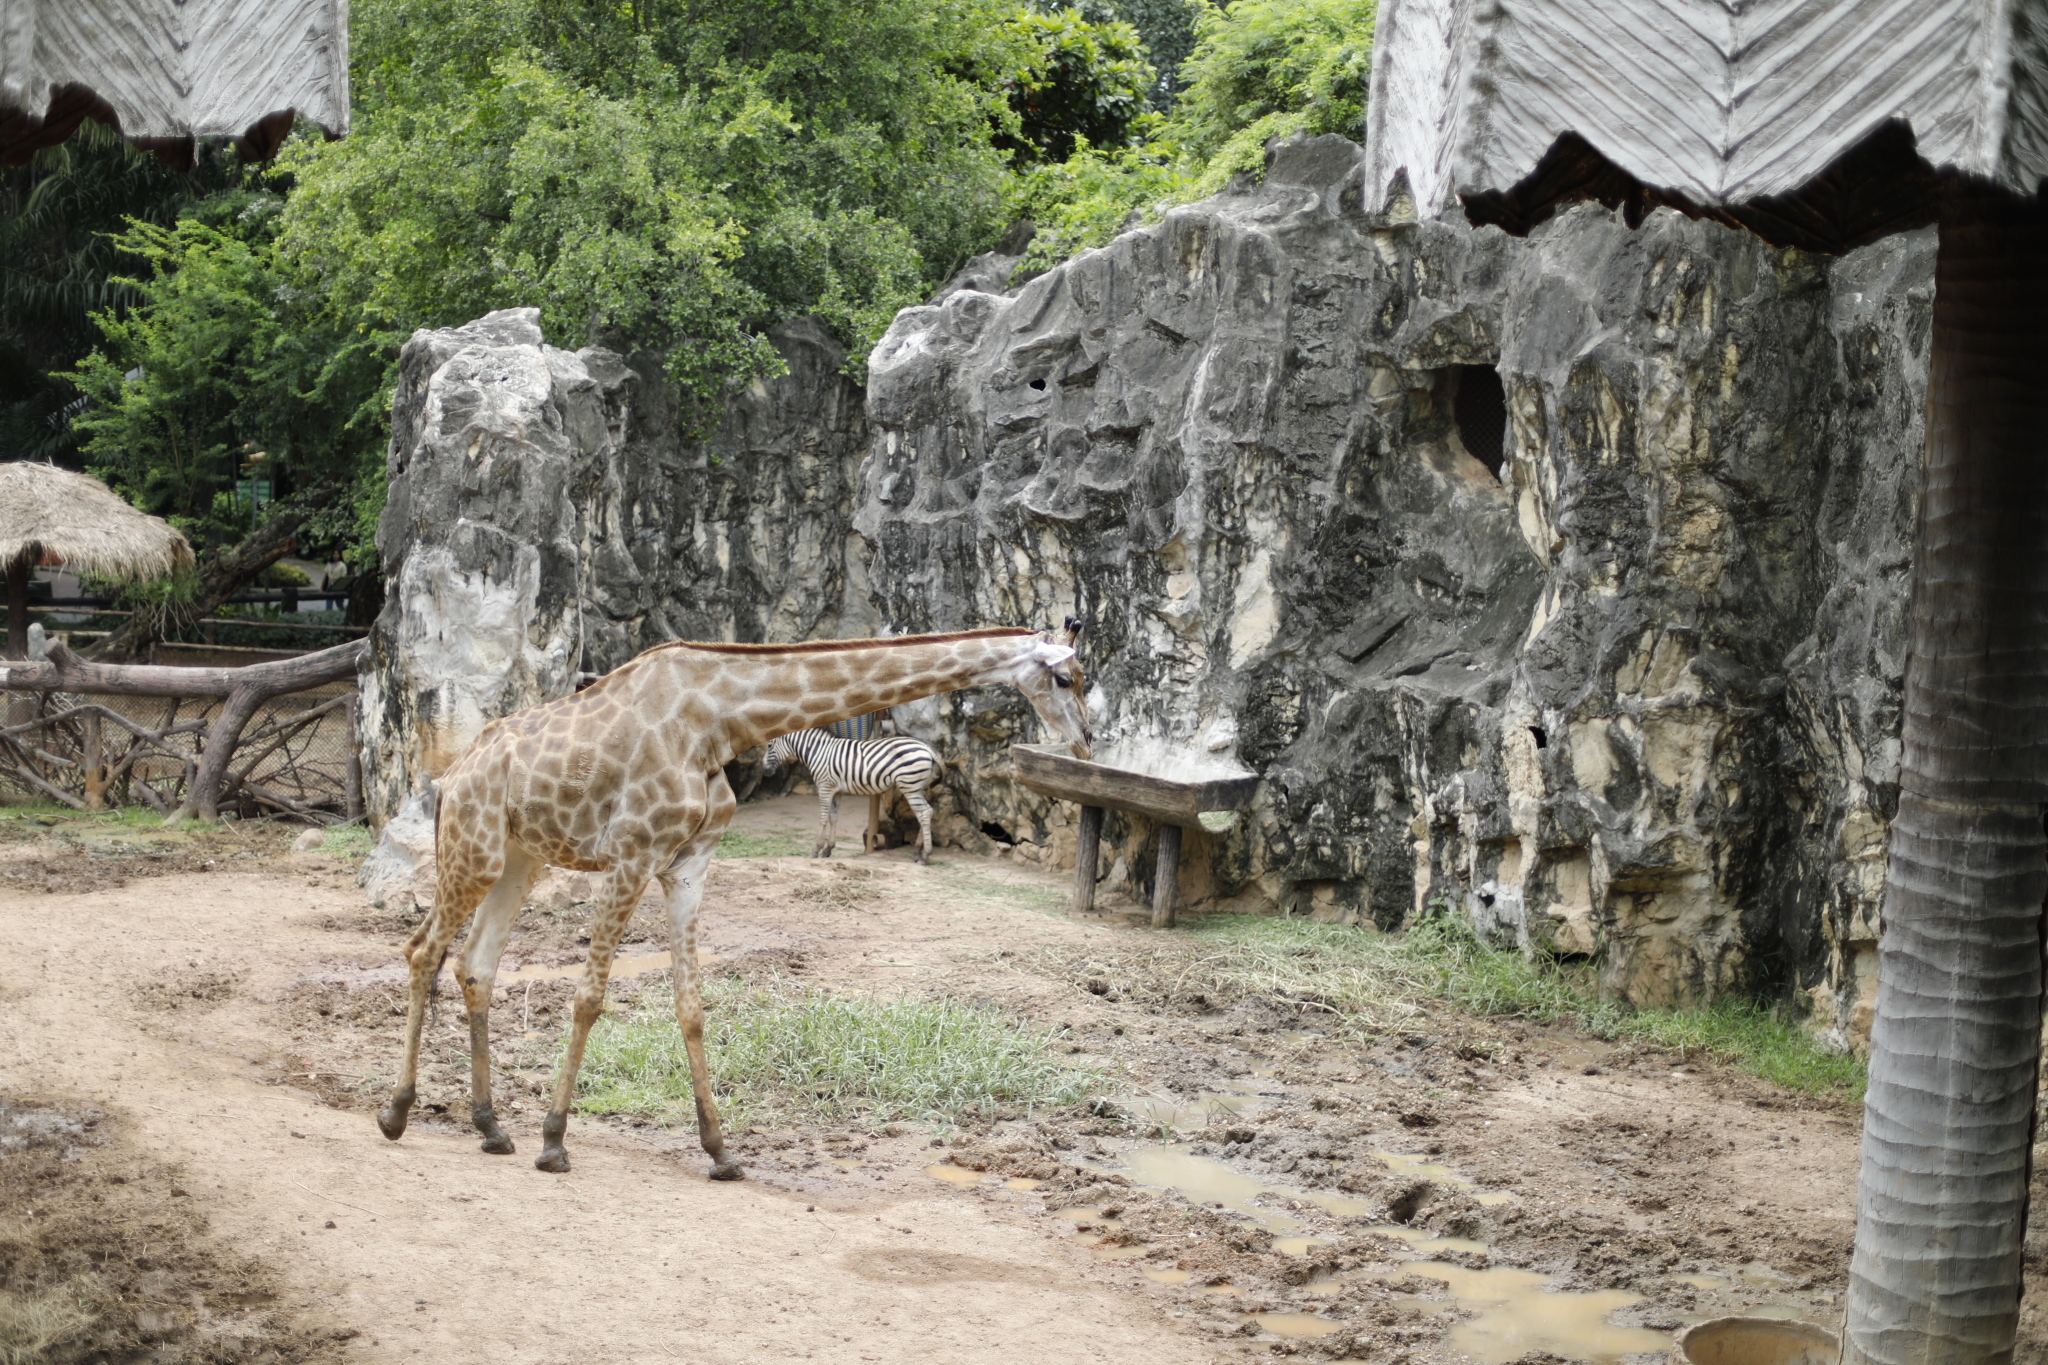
pixel 776 693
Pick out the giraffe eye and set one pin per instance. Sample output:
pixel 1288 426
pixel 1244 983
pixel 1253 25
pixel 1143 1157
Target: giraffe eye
pixel 1062 680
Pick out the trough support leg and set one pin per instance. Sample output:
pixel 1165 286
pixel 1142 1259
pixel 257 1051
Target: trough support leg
pixel 1087 853
pixel 1166 879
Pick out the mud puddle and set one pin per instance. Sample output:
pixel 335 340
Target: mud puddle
pixel 1516 1311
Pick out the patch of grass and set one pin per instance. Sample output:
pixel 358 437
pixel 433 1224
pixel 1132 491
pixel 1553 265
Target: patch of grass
pixel 350 841
pixel 1375 982
pixel 127 817
pixel 741 844
pixel 30 1324
pixel 783 1054
pixel 975 887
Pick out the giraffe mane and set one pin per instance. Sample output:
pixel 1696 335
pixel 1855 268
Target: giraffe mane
pixel 843 646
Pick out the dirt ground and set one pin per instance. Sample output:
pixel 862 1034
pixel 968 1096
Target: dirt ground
pixel 201 1026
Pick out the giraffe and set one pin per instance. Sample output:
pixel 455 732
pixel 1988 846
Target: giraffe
pixel 626 778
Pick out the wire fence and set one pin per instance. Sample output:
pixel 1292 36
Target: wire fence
pixel 294 757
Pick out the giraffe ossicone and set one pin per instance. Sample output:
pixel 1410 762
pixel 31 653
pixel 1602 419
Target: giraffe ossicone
pixel 626 778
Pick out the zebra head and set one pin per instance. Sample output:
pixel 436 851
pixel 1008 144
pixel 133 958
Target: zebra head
pixel 780 751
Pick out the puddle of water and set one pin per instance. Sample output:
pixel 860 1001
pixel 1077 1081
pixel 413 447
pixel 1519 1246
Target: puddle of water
pixel 1762 1276
pixel 1120 1253
pixel 1204 1181
pixel 1517 1315
pixel 1422 1241
pixel 1295 1246
pixel 623 966
pixel 1169 1276
pixel 1336 1204
pixel 957 1175
pixel 1703 1281
pixel 1401 1163
pixel 1018 1182
pixel 1199 1111
pixel 1295 1324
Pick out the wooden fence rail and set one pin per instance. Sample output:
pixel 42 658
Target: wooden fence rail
pixel 212 774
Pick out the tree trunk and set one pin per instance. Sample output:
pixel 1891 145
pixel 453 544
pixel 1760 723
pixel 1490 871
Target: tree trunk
pixel 222 574
pixel 1955 1051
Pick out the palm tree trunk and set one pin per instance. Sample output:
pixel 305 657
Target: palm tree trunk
pixel 1955 1051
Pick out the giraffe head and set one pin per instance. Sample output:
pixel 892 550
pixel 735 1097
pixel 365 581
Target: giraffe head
pixel 1049 676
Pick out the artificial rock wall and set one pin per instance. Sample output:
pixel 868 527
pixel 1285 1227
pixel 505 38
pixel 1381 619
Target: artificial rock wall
pixel 550 513
pixel 1634 696
pixel 1627 684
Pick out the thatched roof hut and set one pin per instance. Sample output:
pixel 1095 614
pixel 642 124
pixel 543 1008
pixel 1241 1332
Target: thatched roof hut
pixel 47 511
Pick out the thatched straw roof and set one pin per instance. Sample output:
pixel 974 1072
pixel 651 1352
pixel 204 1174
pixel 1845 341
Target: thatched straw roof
pixel 84 523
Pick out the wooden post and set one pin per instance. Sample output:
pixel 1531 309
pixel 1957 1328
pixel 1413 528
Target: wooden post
pixel 1166 878
pixel 1087 854
pixel 90 760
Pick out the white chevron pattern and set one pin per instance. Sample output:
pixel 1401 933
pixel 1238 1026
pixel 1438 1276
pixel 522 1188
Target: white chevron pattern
pixel 1723 101
pixel 177 67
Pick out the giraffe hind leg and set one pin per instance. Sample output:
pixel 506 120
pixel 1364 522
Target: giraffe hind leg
pixel 685 888
pixel 479 975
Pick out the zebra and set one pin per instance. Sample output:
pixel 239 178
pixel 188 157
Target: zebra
pixel 864 767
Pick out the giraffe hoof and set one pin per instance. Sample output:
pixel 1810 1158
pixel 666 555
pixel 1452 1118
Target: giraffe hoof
pixel 391 1118
pixel 728 1170
pixel 553 1160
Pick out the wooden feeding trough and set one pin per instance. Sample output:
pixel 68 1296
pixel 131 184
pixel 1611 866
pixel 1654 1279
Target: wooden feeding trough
pixel 1176 804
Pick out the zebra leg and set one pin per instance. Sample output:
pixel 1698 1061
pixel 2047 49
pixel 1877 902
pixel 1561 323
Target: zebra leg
pixel 914 794
pixel 828 819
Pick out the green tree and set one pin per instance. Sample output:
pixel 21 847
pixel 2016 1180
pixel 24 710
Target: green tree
pixel 222 356
pixel 1089 85
pixel 1261 69
pixel 1268 68
pixel 59 266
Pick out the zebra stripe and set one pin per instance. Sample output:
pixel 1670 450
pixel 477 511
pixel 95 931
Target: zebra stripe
pixel 864 767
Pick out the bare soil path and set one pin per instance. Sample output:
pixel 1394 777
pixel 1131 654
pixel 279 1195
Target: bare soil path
pixel 216 1039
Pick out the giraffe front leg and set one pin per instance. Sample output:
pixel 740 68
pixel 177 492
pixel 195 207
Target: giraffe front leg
pixel 622 889
pixel 454 900
pixel 479 970
pixel 685 887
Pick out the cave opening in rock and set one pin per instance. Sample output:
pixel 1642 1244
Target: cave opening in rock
pixel 1481 410
pixel 1537 733
pixel 997 832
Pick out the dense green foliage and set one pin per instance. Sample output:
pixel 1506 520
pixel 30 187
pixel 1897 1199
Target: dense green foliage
pixel 59 265
pixel 1089 85
pixel 675 175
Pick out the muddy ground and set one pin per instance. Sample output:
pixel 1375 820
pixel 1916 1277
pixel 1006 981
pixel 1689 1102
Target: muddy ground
pixel 201 1026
